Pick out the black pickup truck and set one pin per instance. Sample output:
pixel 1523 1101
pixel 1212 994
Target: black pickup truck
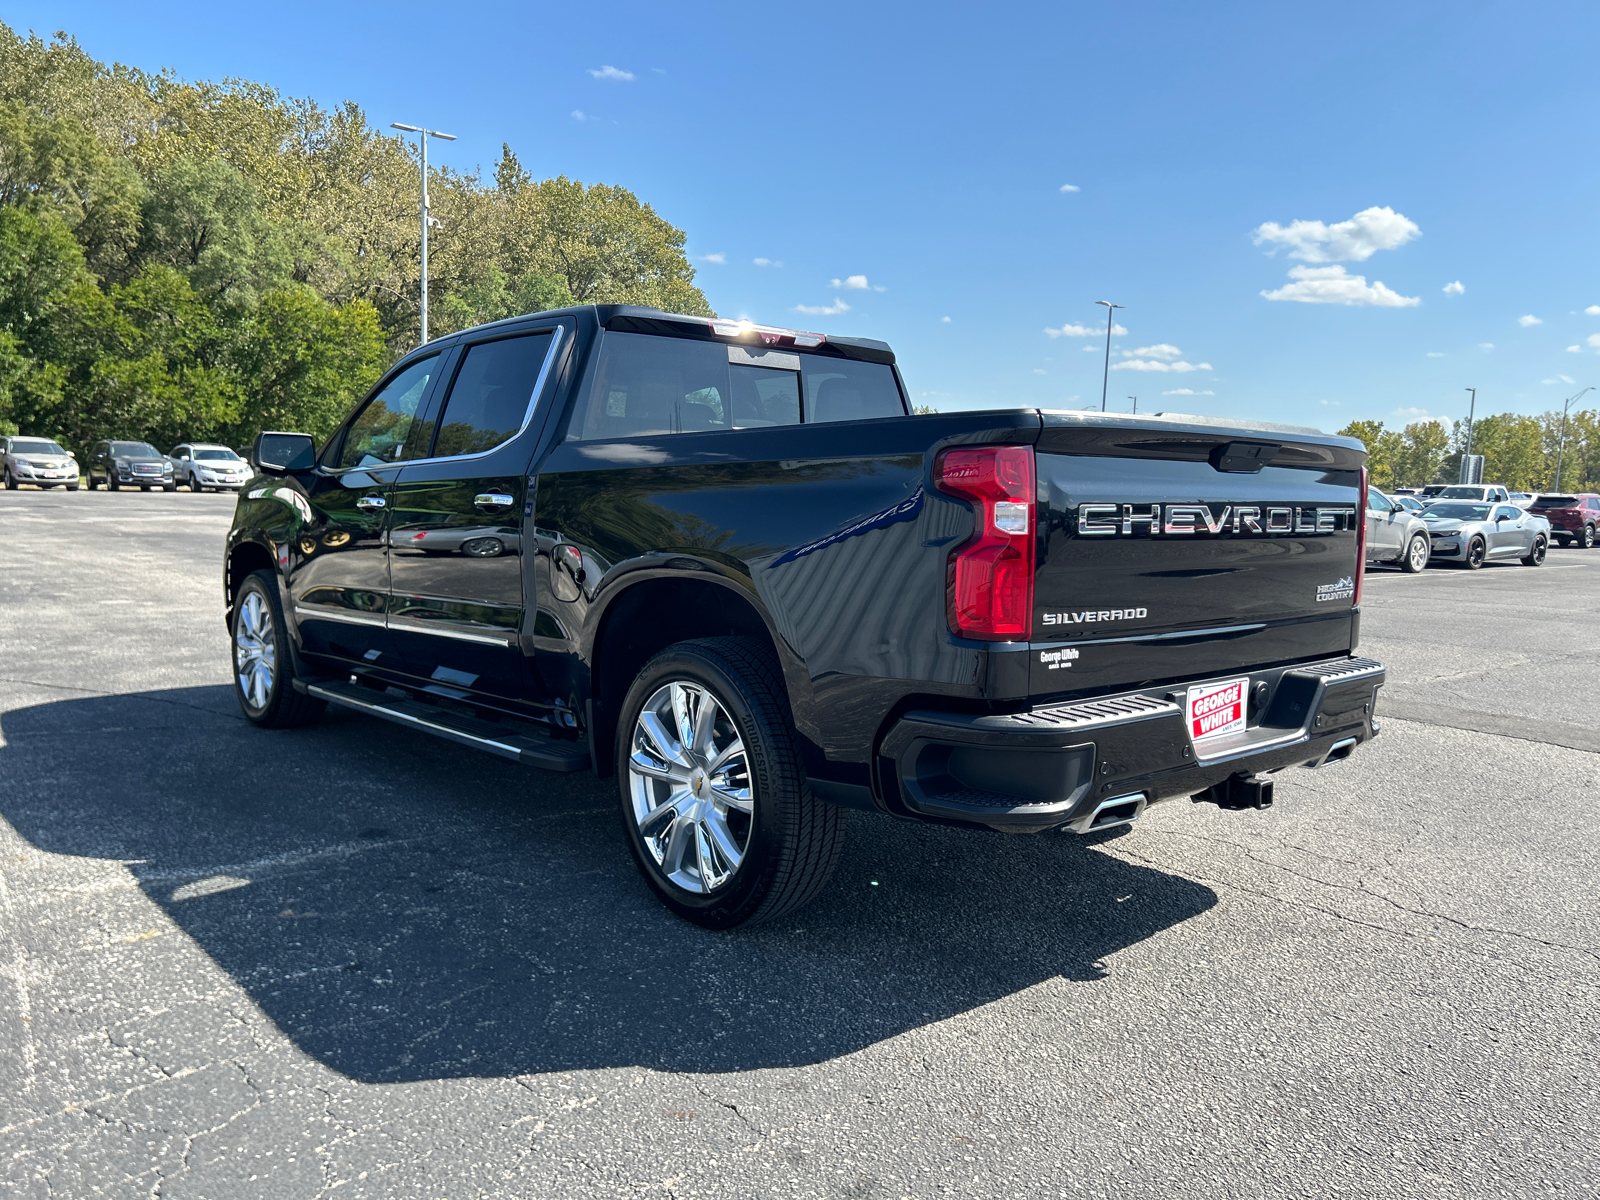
pixel 725 564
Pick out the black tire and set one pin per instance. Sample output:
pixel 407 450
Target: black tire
pixel 1477 551
pixel 1415 558
pixel 1563 542
pixel 169 487
pixel 144 487
pixel 194 484
pixel 93 486
pixel 1586 538
pixel 276 704
pixel 111 482
pixel 1540 546
pixel 792 839
pixel 11 481
pixel 72 487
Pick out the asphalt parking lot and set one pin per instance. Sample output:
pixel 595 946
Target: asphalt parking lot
pixel 345 961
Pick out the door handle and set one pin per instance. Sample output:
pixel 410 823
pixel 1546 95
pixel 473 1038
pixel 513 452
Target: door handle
pixel 370 502
pixel 493 500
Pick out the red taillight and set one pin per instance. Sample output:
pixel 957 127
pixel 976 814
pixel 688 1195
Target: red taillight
pixel 1361 537
pixel 989 580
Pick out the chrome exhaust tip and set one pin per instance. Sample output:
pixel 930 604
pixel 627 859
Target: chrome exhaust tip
pixel 1108 814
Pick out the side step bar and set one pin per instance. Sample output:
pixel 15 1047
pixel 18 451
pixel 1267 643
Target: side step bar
pixel 531 750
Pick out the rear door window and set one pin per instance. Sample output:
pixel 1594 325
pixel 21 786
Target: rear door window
pixel 492 394
pixel 645 386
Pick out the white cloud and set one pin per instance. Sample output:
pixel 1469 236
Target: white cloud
pixel 1560 379
pixel 1187 392
pixel 1087 349
pixel 1434 354
pixel 1418 414
pixel 659 70
pixel 617 74
pixel 1146 364
pixel 1485 345
pixel 1454 289
pixel 1593 310
pixel 1574 349
pixel 1070 187
pixel 719 258
pixel 1355 240
pixel 1594 340
pixel 1071 330
pixel 1039 371
pixel 1161 350
pixel 1528 320
pixel 944 320
pixel 1333 285
pixel 823 310
pixel 766 262
pixel 852 282
pixel 1329 403
pixel 578 115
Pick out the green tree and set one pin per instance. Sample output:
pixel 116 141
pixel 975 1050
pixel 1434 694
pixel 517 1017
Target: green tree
pixel 203 218
pixel 1424 446
pixel 1384 448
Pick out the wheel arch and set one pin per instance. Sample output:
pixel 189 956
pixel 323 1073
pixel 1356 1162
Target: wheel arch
pixel 644 616
pixel 244 559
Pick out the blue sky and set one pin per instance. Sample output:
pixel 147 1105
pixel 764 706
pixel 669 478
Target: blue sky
pixel 923 150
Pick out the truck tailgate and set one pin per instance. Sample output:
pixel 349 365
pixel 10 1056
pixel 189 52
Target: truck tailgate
pixel 1177 549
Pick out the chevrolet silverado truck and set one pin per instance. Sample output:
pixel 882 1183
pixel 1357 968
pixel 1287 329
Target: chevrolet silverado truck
pixel 724 565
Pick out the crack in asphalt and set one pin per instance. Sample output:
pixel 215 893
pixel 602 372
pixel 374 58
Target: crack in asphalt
pixel 1357 889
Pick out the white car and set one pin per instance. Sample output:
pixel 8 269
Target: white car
pixel 204 466
pixel 39 461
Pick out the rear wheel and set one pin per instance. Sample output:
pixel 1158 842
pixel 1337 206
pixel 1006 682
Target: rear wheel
pixel 715 806
pixel 1476 553
pixel 93 486
pixel 1586 538
pixel 263 667
pixel 1416 555
pixel 1536 556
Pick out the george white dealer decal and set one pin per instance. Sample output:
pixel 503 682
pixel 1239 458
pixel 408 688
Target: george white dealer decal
pixel 1104 614
pixel 1058 660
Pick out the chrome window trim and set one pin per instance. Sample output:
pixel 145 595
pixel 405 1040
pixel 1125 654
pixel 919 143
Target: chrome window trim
pixel 527 417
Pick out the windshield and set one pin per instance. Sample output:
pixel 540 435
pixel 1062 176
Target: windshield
pixel 35 446
pixel 1556 502
pixel 1459 512
pixel 134 450
pixel 216 456
pixel 1462 493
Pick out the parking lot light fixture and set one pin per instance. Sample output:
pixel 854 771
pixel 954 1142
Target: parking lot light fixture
pixel 422 140
pixel 1561 447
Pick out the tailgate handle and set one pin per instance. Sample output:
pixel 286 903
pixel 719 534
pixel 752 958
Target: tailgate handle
pixel 1243 458
pixel 493 500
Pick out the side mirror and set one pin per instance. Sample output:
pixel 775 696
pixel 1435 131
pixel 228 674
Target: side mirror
pixel 283 453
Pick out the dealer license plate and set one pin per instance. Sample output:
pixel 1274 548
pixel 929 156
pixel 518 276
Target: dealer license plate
pixel 1215 709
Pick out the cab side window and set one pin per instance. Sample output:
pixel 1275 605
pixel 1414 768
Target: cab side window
pixel 1377 501
pixel 378 433
pixel 492 393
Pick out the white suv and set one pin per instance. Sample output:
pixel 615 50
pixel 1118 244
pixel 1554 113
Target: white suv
pixel 203 466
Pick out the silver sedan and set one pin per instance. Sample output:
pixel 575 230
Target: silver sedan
pixel 1472 534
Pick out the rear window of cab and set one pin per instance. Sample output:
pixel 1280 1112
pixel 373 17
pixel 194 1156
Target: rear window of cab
pixel 644 386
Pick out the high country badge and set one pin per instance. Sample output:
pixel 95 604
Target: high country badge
pixel 1345 589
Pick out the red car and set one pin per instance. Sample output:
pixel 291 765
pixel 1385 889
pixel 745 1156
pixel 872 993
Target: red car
pixel 1572 518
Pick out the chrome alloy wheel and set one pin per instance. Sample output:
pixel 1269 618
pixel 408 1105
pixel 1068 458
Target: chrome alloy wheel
pixel 1418 550
pixel 255 650
pixel 689 779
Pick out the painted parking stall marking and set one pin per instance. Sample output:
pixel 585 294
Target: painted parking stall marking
pixel 1217 708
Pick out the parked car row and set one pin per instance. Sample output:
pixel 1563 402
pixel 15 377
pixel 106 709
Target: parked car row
pixel 44 463
pixel 1471 524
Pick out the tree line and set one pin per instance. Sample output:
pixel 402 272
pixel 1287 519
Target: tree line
pixel 1519 451
pixel 194 260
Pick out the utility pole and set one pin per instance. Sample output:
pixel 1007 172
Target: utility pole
pixel 1561 449
pixel 422 140
pixel 1106 380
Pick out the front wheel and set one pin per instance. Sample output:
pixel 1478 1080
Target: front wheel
pixel 112 484
pixel 715 806
pixel 194 484
pixel 90 480
pixel 1586 538
pixel 1416 556
pixel 1476 553
pixel 11 481
pixel 1536 555
pixel 263 667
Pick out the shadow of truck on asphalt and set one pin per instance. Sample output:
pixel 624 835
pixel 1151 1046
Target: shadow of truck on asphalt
pixel 405 909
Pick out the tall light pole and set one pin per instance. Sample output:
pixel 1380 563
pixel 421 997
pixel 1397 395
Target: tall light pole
pixel 1470 412
pixel 1135 400
pixel 1111 310
pixel 1561 449
pixel 422 140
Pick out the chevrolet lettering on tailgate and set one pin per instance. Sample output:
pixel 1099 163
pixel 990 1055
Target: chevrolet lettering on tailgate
pixel 1235 520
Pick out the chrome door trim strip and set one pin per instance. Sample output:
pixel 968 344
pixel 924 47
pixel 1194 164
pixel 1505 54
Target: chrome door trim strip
pixel 340 615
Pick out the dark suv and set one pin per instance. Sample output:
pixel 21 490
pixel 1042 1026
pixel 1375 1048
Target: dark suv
pixel 129 464
pixel 1572 518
